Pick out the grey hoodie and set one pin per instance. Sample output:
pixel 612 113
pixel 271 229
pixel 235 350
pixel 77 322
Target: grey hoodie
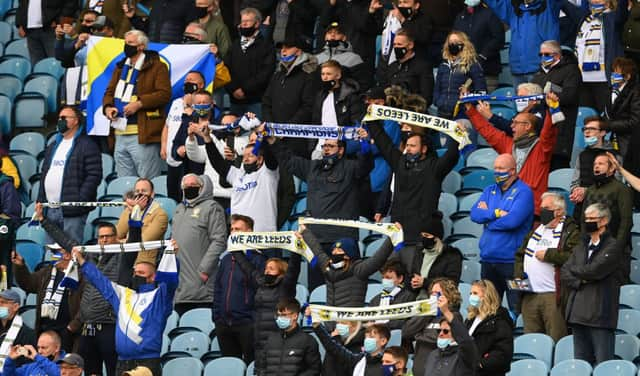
pixel 200 229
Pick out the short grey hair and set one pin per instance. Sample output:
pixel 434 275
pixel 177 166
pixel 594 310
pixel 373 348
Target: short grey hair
pixel 200 180
pixel 256 14
pixel 531 88
pixel 558 200
pixel 553 45
pixel 599 209
pixel 140 36
pixel 199 30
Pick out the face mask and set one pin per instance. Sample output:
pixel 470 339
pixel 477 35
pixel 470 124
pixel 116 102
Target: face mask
pixel 400 52
pixel 188 39
pixel 546 216
pixel 405 11
pixel 428 243
pixel 521 105
pixel 410 160
pixel 4 312
pixel 474 300
pixel 501 177
pixel 455 48
pixel 471 3
pixel 546 61
pixel 138 281
pixel 328 161
pixel 202 110
pixel 202 12
pixel 246 31
pixel 333 43
pixel 443 342
pixel 596 8
pixel 617 79
pixel 387 284
pixel 85 29
pixel 343 329
pixel 52 357
pixel 62 126
pixel 370 345
pixel 250 167
pixel 190 88
pixel 269 279
pixel 287 59
pixel 336 258
pixel 191 193
pixel 328 85
pixel 591 227
pixel 130 51
pixel 590 141
pixel 600 179
pixel 283 322
pixel 388 370
pixel 338 265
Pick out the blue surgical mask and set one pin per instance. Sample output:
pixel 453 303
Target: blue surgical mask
pixel 387 284
pixel 471 3
pixel 443 343
pixel 202 110
pixel 590 141
pixel 546 61
pixel 501 177
pixel 370 345
pixel 388 370
pixel 343 329
pixel 597 8
pixel 617 79
pixel 287 59
pixel 4 312
pixel 283 322
pixel 474 300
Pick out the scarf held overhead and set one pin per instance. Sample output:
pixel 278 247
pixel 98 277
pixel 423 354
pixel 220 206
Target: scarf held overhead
pixel 389 229
pixel 241 241
pixel 428 307
pixel 472 98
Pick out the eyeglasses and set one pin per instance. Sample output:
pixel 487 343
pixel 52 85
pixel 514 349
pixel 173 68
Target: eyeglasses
pixel 591 219
pixel 516 122
pixel 586 129
pixel 106 236
pixel 545 54
pixel 443 331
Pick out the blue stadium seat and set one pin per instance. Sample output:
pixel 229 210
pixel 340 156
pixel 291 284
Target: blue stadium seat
pixel 6 125
pixel 447 204
pixel 183 367
pixel 160 185
pixel 319 295
pixel 476 181
pixel 194 342
pixel 299 207
pixel 168 204
pixel 571 367
pixel 537 345
pixel 250 369
pixel 49 66
pixel 120 185
pixel 165 344
pixel 615 368
pixel 30 110
pixel 29 210
pixel 110 213
pixel 29 317
pixel 373 289
pixel 636 223
pixel 373 247
pixel 48 87
pixel 482 158
pixel 10 85
pixel 561 178
pixel 396 338
pixel 630 296
pixel 172 322
pixel 505 113
pixel 29 142
pixel 528 367
pixel 627 346
pixel 34 234
pixel 635 271
pixel 635 244
pixel 452 182
pixel 17 66
pixel 465 204
pixel 466 226
pixel 302 293
pixel 17 47
pixel 470 271
pixel 629 321
pixel 32 253
pixel 225 366
pixel 198 318
pixel 10 16
pixel 504 91
pixel 32 300
pixel 469 248
pixel 304 271
pixel 27 165
pixel 5 28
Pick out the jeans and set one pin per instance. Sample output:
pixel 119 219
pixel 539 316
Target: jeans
pixel 40 43
pixel 236 341
pixel 498 275
pixel 135 159
pixel 99 348
pixel 594 345
pixel 73 226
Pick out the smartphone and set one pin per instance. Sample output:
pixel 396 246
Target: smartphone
pixel 553 88
pixel 467 84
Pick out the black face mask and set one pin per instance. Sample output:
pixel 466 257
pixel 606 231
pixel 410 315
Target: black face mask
pixel 202 12
pixel 333 43
pixel 85 29
pixel 546 216
pixel 428 243
pixel 601 179
pixel 191 193
pixel 328 161
pixel 455 48
pixel 246 31
pixel 138 281
pixel 337 258
pixel 190 88
pixel 188 39
pixel 52 357
pixel 400 52
pixel 405 11
pixel 591 227
pixel 270 279
pixel 250 167
pixel 130 51
pixel 410 160
pixel 62 126
pixel 328 85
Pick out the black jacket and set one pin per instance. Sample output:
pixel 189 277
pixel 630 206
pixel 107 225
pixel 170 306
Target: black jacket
pixel 487 35
pixel 448 264
pixel 624 115
pixel 331 192
pixel 345 356
pixel 347 102
pixel 167 20
pixel 414 75
pixel 331 366
pixel 567 75
pixel 593 282
pixel 250 70
pixel 52 10
pixel 291 354
pixel 494 340
pixel 82 173
pixel 347 287
pixel 460 360
pixel 417 189
pixel 420 26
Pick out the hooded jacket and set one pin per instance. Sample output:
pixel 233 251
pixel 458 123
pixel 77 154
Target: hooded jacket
pixel 346 101
pixel 494 340
pixel 200 227
pixel 352 64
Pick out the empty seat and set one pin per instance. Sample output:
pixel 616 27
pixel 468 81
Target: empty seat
pixel 183 367
pixel 10 85
pixel 571 367
pixel 615 368
pixel 160 185
pixel 120 185
pixel 168 204
pixel 627 346
pixel 48 87
pixel 470 271
pixel 49 66
pixel 29 142
pixel 469 248
pixel 476 181
pixel 447 204
pixel 225 366
pixel 6 126
pixel 5 28
pixel 452 182
pixel 482 158
pixel 466 226
pixel 199 318
pixel 17 66
pixel 538 345
pixel 318 295
pixel 34 234
pixel 302 294
pixel 563 350
pixel 629 321
pixel 630 296
pixel 465 204
pixel 561 178
pixel 27 165
pixel 528 367
pixel 17 47
pixel 30 110
pixel 32 253
pixel 194 342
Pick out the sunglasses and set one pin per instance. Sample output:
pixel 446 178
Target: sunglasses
pixel 546 54
pixel 443 331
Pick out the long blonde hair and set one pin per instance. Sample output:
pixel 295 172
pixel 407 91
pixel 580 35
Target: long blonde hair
pixel 467 57
pixel 489 304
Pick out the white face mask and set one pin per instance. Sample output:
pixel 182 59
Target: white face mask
pixel 471 3
pixel 338 265
pixel 521 105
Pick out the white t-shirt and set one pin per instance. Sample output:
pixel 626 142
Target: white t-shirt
pixel 34 14
pixel 329 117
pixel 55 175
pixel 476 321
pixel 173 122
pixel 541 274
pixel 255 195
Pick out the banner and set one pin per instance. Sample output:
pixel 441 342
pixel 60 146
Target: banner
pixel 428 307
pixel 104 53
pixel 242 241
pixel 448 127
pixel 472 98
pixel 389 229
pixel 127 247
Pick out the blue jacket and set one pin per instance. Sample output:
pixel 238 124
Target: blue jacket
pixel 40 366
pixel 82 172
pixel 142 315
pixel 533 26
pixel 233 291
pixel 448 82
pixel 503 236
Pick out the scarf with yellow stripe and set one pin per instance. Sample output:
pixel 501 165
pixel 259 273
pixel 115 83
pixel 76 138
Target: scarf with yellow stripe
pixel 537 235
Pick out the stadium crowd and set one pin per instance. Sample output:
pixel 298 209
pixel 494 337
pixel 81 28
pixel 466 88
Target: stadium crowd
pixel 554 258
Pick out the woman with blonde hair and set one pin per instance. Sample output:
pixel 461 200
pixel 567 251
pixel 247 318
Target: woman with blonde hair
pixel 491 328
pixel 460 63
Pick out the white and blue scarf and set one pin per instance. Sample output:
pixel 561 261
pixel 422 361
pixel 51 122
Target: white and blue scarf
pixel 126 87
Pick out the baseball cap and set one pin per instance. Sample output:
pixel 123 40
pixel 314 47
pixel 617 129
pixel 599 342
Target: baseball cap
pixel 72 360
pixel 10 295
pixel 335 26
pixel 139 371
